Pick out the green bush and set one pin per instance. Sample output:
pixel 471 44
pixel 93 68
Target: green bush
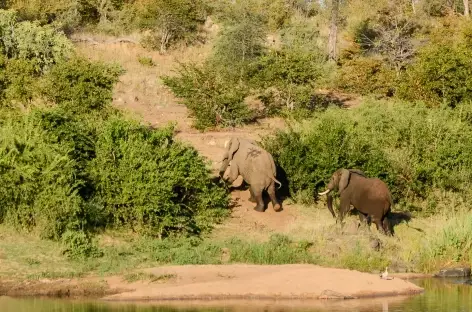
pixel 81 86
pixel 152 184
pixel 212 98
pixel 364 75
pixel 328 142
pixel 43 45
pixel 20 80
pixel 40 183
pixel 440 74
pixel 79 245
pixel 287 79
pixel 172 20
pixel 415 150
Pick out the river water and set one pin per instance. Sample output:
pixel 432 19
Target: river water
pixel 441 295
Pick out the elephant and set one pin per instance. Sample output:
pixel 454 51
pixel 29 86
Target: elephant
pixel 257 167
pixel 369 196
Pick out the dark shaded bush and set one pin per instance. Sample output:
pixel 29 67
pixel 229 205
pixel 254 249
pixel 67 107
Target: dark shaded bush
pixel 152 184
pixel 212 98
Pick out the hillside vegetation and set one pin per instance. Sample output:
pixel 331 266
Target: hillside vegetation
pixel 74 168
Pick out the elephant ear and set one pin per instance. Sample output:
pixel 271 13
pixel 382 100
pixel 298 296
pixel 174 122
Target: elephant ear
pixel 232 148
pixel 344 179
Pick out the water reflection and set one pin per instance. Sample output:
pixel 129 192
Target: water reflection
pixel 440 296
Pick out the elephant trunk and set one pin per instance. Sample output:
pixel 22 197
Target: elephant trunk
pixel 223 167
pixel 330 205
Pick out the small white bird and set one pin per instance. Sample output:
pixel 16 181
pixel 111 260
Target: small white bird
pixel 384 275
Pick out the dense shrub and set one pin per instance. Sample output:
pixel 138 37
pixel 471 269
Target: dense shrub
pixel 212 98
pixel 328 142
pixel 58 174
pixel 81 86
pixel 287 79
pixel 40 183
pixel 171 20
pixel 415 150
pixel 363 75
pixel 43 45
pixel 153 184
pixel 441 74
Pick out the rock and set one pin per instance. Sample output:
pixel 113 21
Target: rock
pixel 454 272
pixel 375 244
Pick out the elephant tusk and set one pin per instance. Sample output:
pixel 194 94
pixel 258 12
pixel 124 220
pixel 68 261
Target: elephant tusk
pixel 325 192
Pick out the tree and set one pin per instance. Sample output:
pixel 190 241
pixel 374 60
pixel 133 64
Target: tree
pixel 172 19
pixel 466 8
pixel 333 30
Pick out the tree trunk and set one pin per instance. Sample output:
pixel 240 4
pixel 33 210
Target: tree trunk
pixel 466 9
pixel 413 2
pixel 333 30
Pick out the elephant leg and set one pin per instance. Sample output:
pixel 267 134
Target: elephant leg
pixel 363 218
pixel 252 199
pixel 386 226
pixel 378 224
pixel 273 198
pixel 257 191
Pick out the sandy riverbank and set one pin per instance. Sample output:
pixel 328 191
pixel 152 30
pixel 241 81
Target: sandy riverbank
pixel 227 282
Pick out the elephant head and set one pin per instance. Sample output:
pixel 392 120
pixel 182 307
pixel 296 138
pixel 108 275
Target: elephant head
pixel 231 147
pixel 338 182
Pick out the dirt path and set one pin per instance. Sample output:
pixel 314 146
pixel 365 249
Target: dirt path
pixel 263 282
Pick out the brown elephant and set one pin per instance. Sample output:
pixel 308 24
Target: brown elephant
pixel 369 196
pixel 256 166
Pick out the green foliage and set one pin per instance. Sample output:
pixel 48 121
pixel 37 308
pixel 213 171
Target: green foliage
pixel 330 141
pixel 153 184
pixel 239 44
pixel 287 78
pixel 42 45
pixel 212 98
pixel 450 243
pixel 415 150
pixel 80 245
pixel 280 249
pixel 364 75
pixel 19 80
pixel 40 182
pixel 441 74
pixel 81 86
pixel 62 14
pixel 173 20
pixel 146 61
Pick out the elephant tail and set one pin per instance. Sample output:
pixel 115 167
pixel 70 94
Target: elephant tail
pixel 277 181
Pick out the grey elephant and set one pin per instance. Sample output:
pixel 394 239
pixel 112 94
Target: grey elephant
pixel 257 167
pixel 369 196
